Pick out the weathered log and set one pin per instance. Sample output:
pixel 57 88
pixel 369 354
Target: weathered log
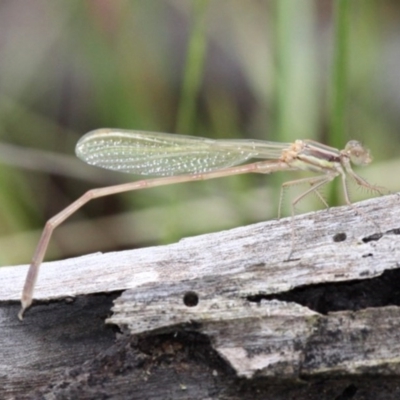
pixel 218 307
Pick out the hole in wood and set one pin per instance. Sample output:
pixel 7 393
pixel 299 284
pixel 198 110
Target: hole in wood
pixel 374 237
pixel 367 255
pixel 394 231
pixel 340 237
pixel 190 299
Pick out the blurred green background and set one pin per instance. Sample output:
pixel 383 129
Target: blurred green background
pixel 276 70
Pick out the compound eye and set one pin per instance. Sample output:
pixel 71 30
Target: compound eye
pixel 358 154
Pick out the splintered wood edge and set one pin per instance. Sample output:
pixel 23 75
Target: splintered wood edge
pixel 268 338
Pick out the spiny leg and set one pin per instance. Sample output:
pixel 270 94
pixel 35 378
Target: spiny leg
pixel 321 198
pixel 362 182
pixel 313 181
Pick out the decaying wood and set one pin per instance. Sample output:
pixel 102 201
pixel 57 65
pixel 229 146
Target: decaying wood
pixel 331 310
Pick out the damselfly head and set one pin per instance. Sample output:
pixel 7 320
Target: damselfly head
pixel 358 154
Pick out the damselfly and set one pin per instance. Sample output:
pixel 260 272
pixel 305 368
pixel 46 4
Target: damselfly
pixel 177 158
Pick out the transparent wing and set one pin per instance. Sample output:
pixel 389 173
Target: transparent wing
pixel 164 154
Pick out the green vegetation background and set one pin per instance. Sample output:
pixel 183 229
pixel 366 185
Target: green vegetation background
pixel 265 69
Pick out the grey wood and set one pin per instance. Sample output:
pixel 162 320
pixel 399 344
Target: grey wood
pixel 264 315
